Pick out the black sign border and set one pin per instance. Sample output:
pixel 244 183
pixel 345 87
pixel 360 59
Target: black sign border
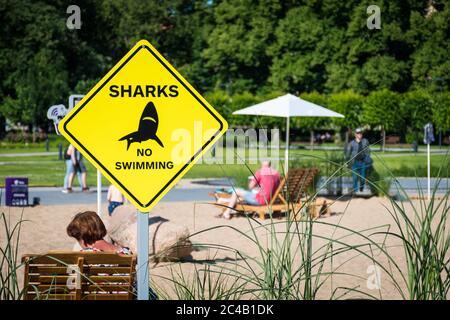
pixel 184 85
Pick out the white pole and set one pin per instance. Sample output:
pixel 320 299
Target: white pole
pixel 142 251
pixel 99 193
pixel 429 173
pixel 286 152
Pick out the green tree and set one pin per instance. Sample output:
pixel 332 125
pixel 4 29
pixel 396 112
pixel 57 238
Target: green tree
pixel 417 110
pixel 429 35
pixel 312 123
pixel 304 45
pixel 220 101
pixel 247 49
pixel 381 109
pixel 240 101
pixel 36 75
pixel 38 87
pixel 349 104
pixel 374 59
pixel 236 54
pixel 385 72
pixel 441 114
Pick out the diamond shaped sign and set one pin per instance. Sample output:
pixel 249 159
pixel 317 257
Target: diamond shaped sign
pixel 143 126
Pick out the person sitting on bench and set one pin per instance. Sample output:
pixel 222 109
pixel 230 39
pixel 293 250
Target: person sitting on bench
pixel 266 179
pixel 88 229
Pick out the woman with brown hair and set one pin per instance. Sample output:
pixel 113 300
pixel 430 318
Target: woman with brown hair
pixel 88 229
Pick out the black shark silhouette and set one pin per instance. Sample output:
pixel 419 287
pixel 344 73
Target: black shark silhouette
pixel 148 125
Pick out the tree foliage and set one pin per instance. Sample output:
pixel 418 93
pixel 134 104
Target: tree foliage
pixel 349 104
pixel 381 109
pixel 239 52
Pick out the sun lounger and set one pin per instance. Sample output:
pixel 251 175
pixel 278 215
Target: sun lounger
pixel 79 276
pixel 289 197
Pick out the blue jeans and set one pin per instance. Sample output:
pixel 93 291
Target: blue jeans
pixel 249 197
pixel 359 174
pixel 70 169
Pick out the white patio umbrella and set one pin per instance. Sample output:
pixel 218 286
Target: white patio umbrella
pixel 288 106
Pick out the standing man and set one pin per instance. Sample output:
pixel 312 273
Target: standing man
pixel 358 152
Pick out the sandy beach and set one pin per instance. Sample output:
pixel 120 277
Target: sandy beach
pixel 44 230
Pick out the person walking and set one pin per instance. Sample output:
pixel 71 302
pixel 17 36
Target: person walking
pixel 358 152
pixel 70 170
pixel 75 164
pixel 80 167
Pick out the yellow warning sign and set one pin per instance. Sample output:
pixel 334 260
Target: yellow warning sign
pixel 143 126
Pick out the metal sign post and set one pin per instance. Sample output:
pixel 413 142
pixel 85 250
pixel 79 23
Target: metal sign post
pixel 142 251
pixel 99 193
pixel 428 138
pixel 428 172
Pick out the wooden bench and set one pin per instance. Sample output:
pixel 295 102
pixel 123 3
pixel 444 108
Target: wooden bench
pixel 79 276
pixel 288 197
pixel 392 140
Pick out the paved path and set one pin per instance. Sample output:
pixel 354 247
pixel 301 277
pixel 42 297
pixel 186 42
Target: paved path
pixel 198 190
pixel 405 151
pixel 411 186
pixel 421 149
pixel 409 183
pixel 54 196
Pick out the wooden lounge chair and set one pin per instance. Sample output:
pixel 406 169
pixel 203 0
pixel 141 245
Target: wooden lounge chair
pixel 288 196
pixel 79 276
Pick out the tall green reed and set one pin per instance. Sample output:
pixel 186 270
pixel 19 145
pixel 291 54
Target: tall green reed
pixel 289 265
pixel 290 262
pixel 10 263
pixel 207 282
pixel 425 239
pixel 422 231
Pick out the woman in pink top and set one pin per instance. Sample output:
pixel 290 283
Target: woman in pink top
pixel 266 178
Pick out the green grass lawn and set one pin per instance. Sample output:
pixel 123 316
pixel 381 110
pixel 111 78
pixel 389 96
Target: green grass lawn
pixel 27 150
pixel 23 147
pixel 49 171
pixel 42 171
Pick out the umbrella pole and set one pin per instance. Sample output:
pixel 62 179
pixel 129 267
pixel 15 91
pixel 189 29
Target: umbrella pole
pixel 286 152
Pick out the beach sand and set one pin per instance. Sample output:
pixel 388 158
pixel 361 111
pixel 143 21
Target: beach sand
pixel 44 230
